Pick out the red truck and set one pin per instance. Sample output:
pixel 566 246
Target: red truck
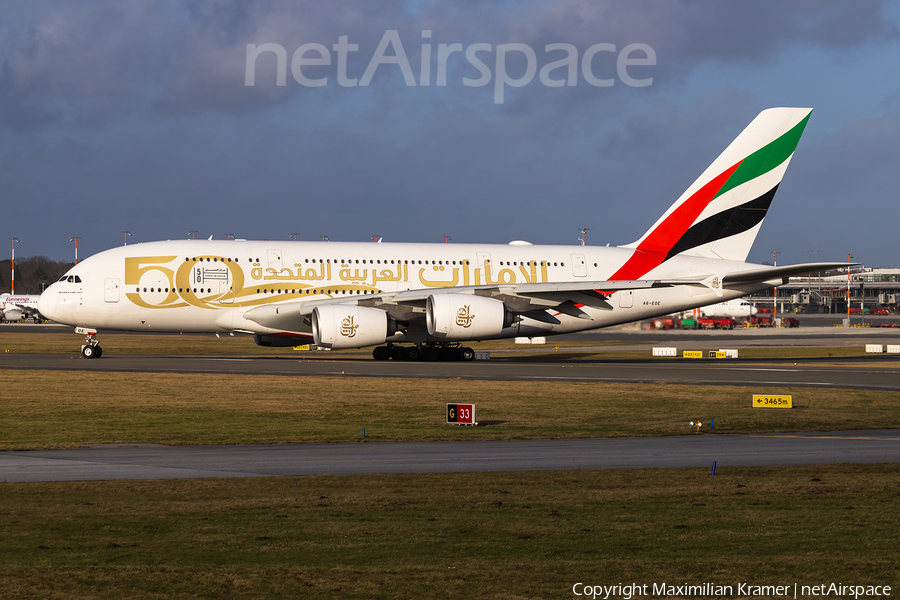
pixel 716 322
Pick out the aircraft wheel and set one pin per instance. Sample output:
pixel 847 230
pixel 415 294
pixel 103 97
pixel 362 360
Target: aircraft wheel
pixel 89 352
pixel 466 354
pixel 412 353
pixel 99 351
pixel 430 353
pixel 381 353
pixel 396 352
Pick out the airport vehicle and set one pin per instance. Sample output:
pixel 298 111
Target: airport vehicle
pixel 764 321
pixel 17 308
pixel 739 307
pixel 414 301
pixel 716 322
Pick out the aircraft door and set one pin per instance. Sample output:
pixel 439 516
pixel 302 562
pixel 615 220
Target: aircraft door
pixel 626 298
pixel 111 290
pixel 484 266
pixel 274 258
pixel 579 268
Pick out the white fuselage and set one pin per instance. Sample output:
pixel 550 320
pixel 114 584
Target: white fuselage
pixel 208 286
pixel 14 308
pixel 739 307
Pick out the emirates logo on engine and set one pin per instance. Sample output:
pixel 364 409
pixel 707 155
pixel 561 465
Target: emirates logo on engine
pixel 464 317
pixel 348 328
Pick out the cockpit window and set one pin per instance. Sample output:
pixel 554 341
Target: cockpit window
pixel 63 278
pixel 77 279
pixel 71 279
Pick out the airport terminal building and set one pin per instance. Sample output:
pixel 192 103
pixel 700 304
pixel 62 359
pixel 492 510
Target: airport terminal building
pixel 870 291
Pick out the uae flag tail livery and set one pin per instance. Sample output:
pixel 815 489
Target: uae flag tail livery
pixel 424 301
pixel 721 213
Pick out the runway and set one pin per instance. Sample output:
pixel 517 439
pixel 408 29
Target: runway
pixel 878 372
pixel 148 461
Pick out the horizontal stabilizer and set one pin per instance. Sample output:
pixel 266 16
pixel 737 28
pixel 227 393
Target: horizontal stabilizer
pixel 765 274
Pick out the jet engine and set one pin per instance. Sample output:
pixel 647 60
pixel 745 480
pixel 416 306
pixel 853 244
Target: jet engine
pixel 460 317
pixel 340 326
pixel 13 314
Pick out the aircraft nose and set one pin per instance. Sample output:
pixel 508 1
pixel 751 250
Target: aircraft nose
pixel 47 302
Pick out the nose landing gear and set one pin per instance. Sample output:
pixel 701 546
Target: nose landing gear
pixel 91 347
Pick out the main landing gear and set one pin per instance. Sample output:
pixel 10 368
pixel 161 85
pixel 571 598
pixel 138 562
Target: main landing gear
pixel 91 347
pixel 428 352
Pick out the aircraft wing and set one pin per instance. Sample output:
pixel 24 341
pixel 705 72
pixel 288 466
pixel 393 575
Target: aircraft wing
pixel 29 310
pixel 531 299
pixel 528 299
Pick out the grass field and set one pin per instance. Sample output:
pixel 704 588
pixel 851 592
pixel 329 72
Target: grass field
pixel 492 535
pixel 44 409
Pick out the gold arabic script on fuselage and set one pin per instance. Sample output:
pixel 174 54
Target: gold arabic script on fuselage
pixel 433 276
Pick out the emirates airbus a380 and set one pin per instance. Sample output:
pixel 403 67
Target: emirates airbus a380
pixel 425 301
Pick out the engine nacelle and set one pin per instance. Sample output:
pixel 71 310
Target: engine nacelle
pixel 13 314
pixel 461 317
pixel 347 326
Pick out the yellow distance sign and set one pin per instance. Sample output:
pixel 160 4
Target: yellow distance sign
pixel 693 354
pixel 714 354
pixel 764 401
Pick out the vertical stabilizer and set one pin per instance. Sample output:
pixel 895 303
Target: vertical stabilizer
pixel 721 213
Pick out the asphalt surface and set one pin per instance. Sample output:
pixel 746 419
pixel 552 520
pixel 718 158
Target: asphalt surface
pixel 878 372
pixel 147 461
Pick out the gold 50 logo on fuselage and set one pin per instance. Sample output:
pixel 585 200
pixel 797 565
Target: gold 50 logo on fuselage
pixel 216 282
pixel 167 282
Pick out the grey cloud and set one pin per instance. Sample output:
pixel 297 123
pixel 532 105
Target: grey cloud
pixel 91 64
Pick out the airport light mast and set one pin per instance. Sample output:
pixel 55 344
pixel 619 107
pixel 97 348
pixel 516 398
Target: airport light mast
pixel 294 235
pixel 447 239
pixel 193 234
pixel 849 258
pixel 12 289
pixel 75 239
pixel 584 231
pixel 126 234
pixel 775 289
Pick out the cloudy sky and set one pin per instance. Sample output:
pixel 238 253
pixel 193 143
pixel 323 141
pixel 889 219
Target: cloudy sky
pixel 138 116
